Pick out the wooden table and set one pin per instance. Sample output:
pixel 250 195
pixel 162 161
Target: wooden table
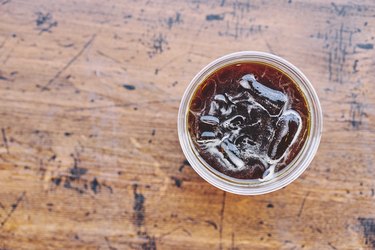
pixel 90 157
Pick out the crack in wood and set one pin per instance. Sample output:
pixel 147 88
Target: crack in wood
pixel 222 219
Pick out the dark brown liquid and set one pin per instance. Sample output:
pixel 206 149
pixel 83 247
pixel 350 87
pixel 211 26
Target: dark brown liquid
pixel 247 117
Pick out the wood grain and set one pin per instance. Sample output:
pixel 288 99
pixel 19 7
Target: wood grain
pixel 90 157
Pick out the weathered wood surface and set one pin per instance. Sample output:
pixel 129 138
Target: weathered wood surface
pixel 90 158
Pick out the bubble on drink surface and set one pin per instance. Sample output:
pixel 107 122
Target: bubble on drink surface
pixel 251 130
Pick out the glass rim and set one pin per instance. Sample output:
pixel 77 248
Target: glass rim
pixel 294 169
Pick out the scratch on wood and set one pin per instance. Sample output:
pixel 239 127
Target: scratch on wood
pixel 269 47
pixel 9 55
pixel 186 231
pixel 109 244
pixel 5 140
pixel 332 246
pixel 13 209
pixel 232 240
pixel 339 12
pixel 123 105
pixel 2 206
pixel 211 223
pixel 171 61
pixel 107 56
pixel 330 65
pixel 174 230
pixel 3 43
pixel 5 2
pixel 302 205
pixel 168 233
pixel 71 61
pixel 222 219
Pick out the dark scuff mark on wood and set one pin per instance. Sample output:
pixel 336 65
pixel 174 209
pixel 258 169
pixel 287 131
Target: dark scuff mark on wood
pixel 356 113
pixel 95 185
pixel 73 180
pixel 5 140
pixel 138 207
pixel 171 21
pixel 366 46
pixel 158 45
pixel 338 43
pixel 350 9
pixel 68 185
pixel 128 86
pixel 182 166
pixel 368 225
pixel 302 205
pixel 76 172
pixel 270 205
pixel 67 134
pixel 68 45
pixel 42 18
pixel 3 78
pixel 215 17
pixel 149 242
pixel 355 65
pixel 56 181
pixel 52 158
pixel 340 11
pixel 70 62
pixel 177 181
pixel 45 22
pixel 13 209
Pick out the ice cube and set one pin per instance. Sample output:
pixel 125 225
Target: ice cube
pixel 221 98
pixel 272 100
pixel 209 119
pixel 220 108
pixel 232 152
pixel 287 130
pixel 208 135
pixel 234 122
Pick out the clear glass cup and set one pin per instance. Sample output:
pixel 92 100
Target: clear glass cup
pixel 282 178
